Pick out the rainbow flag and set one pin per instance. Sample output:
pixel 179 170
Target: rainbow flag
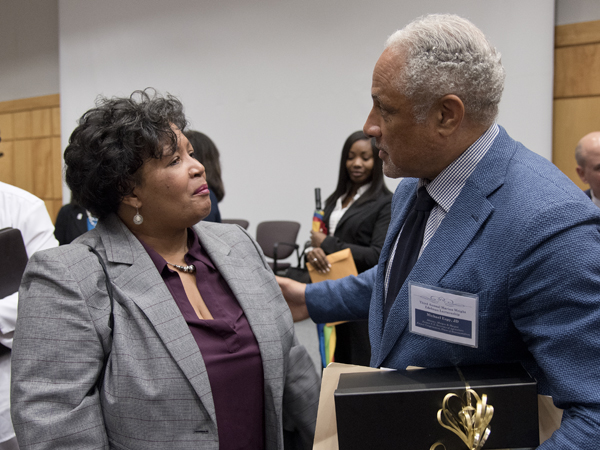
pixel 327 341
pixel 317 223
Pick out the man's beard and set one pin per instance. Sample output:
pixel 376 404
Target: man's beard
pixel 389 168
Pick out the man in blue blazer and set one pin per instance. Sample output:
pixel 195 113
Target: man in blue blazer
pixel 510 238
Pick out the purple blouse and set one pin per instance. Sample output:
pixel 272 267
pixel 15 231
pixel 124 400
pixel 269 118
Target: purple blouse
pixel 228 347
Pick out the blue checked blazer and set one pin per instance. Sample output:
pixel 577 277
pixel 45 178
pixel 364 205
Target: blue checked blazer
pixel 84 377
pixel 524 238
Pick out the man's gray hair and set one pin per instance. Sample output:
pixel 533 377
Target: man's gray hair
pixel 446 54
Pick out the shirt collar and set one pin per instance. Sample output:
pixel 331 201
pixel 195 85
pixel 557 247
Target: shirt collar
pixel 196 251
pixel 446 187
pixel 595 199
pixel 360 191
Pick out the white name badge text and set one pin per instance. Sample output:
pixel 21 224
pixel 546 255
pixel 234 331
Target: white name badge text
pixel 444 314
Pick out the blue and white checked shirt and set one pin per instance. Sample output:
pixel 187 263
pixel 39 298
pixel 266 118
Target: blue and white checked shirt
pixel 446 188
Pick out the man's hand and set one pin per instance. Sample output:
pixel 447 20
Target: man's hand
pixel 293 292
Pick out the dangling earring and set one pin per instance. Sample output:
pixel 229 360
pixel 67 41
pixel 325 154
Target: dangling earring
pixel 137 219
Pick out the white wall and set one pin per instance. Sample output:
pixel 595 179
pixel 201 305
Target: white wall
pixel 28 48
pixel 279 85
pixel 574 11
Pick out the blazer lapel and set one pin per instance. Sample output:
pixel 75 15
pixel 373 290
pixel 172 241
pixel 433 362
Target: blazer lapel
pixel 403 200
pixel 250 293
pixel 466 216
pixel 142 283
pixel 351 212
pixel 455 233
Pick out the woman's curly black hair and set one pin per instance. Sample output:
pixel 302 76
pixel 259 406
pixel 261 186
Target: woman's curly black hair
pixel 113 140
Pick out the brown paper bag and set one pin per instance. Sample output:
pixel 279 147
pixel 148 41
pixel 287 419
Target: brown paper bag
pixel 326 429
pixel 549 417
pixel 342 265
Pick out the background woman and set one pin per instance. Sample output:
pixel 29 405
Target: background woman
pixel 175 334
pixel 207 153
pixel 71 222
pixel 357 216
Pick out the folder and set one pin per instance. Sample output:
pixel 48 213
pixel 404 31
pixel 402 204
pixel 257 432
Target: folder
pixel 342 265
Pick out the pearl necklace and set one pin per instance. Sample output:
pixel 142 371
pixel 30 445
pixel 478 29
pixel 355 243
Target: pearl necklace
pixel 187 269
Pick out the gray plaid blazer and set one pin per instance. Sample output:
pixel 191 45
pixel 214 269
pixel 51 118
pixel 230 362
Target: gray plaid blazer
pixel 89 375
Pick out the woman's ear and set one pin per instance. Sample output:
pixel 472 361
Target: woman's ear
pixel 132 200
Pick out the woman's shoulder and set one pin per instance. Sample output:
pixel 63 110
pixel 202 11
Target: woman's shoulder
pixel 379 199
pixel 232 240
pixel 385 196
pixel 225 231
pixel 233 236
pixel 72 258
pixel 66 252
pixel 71 255
pixel 68 268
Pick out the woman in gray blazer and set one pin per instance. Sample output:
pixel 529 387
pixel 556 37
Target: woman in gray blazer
pixel 153 331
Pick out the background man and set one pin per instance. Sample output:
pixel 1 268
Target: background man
pixel 22 210
pixel 480 216
pixel 587 155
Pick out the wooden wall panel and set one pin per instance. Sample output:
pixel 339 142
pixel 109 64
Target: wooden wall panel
pixel 42 175
pixel 27 104
pixel 30 131
pixel 573 119
pixel 22 125
pixel 7 162
pixel 572 65
pixel 55 121
pixel 6 127
pixel 56 170
pixel 577 33
pixel 23 169
pixel 576 91
pixel 41 122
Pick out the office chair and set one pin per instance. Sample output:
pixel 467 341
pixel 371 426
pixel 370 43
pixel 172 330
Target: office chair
pixel 278 241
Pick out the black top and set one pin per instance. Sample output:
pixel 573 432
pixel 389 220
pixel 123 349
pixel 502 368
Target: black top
pixel 362 229
pixel 71 223
pixel 214 215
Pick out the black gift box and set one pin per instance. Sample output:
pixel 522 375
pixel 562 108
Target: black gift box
pixel 398 410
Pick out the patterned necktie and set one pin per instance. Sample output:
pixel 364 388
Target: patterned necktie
pixel 409 246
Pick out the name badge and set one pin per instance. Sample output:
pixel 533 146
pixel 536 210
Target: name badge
pixel 444 314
